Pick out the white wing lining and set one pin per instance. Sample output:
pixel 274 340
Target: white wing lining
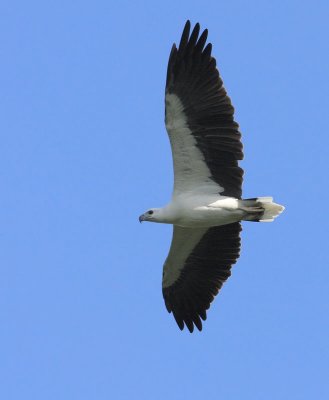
pixel 183 242
pixel 190 169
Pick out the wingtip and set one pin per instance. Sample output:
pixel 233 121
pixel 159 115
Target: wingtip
pixel 180 324
pixel 198 324
pixel 203 315
pixel 187 27
pixel 189 324
pixel 188 22
pixel 185 35
pixel 179 320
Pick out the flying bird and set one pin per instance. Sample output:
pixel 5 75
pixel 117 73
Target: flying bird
pixel 206 208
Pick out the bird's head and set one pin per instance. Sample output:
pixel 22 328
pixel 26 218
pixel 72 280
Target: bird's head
pixel 152 215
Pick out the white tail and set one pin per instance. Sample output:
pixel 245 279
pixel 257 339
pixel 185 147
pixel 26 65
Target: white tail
pixel 261 209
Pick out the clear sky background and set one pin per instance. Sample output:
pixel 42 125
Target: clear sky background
pixel 84 152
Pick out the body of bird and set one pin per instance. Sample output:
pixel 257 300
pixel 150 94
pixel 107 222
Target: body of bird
pixel 207 205
pixel 191 211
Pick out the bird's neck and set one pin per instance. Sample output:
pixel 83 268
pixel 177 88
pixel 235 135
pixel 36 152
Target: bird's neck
pixel 165 215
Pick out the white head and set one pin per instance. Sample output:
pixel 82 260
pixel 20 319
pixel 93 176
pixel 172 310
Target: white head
pixel 153 215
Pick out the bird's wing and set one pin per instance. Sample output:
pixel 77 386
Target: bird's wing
pixel 204 137
pixel 198 263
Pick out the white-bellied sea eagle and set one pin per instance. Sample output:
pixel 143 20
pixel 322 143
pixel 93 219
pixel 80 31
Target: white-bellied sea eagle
pixel 206 206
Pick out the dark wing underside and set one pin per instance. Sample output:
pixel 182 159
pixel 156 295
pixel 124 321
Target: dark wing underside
pixel 202 274
pixel 193 77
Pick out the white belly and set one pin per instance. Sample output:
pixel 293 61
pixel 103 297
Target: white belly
pixel 209 217
pixel 220 212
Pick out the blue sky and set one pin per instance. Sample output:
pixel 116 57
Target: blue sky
pixel 84 152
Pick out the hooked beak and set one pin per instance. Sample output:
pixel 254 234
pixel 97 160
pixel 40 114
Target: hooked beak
pixel 141 218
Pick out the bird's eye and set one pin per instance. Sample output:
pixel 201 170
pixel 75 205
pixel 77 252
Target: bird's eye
pixel 150 212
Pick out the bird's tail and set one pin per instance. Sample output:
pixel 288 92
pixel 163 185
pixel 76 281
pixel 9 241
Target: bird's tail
pixel 260 209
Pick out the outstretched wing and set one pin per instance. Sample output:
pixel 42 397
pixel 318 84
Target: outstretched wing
pixel 198 263
pixel 204 137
